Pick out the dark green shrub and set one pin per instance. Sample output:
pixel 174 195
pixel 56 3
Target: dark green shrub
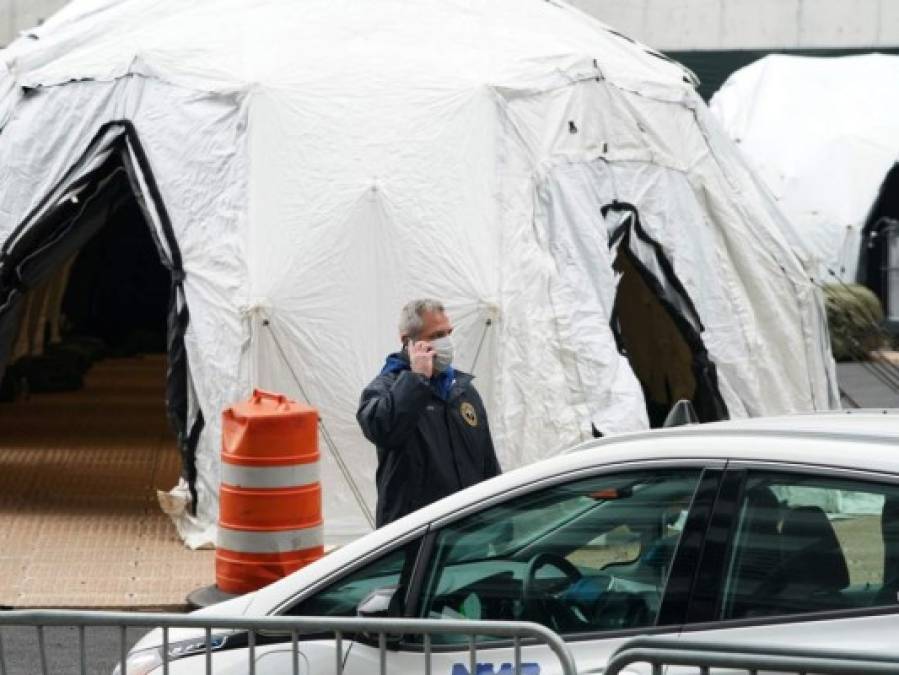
pixel 855 315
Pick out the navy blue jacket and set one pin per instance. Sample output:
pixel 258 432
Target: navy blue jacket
pixel 432 437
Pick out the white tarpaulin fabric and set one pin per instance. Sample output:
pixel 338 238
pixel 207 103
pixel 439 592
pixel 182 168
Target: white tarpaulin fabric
pixel 324 161
pixel 822 133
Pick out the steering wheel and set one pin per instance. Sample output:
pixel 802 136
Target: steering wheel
pixel 555 612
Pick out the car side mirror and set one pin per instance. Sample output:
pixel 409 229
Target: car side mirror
pixel 377 604
pixel 381 603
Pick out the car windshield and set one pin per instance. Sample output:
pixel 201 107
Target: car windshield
pixel 592 554
pixel 511 529
pixel 608 517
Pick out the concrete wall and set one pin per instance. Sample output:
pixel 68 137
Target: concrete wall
pixel 751 24
pixel 17 15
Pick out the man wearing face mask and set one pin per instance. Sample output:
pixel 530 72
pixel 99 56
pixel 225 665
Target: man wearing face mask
pixel 425 417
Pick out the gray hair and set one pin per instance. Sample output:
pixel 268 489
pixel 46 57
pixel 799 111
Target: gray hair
pixel 410 316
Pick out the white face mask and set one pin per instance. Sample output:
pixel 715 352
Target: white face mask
pixel 443 353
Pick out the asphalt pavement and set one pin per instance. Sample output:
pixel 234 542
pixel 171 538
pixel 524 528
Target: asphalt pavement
pixel 869 384
pixel 21 654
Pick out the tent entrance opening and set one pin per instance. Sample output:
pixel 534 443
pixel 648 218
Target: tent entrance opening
pixel 118 291
pixel 656 325
pixel 112 173
pixel 108 298
pixel 879 264
pixel 659 356
pixel 92 321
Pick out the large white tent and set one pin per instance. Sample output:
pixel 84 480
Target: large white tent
pixel 308 166
pixel 823 134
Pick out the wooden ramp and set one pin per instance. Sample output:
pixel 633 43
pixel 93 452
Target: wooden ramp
pixel 80 525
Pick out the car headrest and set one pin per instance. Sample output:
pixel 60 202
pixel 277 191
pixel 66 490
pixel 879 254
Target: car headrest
pixel 760 540
pixel 762 510
pixel 813 550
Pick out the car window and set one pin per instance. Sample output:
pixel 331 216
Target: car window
pixel 808 544
pixel 389 574
pixel 587 556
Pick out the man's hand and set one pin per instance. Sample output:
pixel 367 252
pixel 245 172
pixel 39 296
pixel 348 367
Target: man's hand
pixel 421 358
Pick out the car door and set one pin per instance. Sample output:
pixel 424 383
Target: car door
pixel 800 556
pixel 383 574
pixel 596 558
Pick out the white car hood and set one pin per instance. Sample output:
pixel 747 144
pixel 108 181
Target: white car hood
pixel 235 607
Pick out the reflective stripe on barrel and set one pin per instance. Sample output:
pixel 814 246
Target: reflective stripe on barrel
pixel 271 541
pixel 270 504
pixel 265 477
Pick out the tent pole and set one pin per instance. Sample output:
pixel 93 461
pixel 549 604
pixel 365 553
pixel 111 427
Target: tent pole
pixel 477 355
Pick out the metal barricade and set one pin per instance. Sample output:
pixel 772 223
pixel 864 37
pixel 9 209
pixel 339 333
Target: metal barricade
pixel 294 626
pixel 662 652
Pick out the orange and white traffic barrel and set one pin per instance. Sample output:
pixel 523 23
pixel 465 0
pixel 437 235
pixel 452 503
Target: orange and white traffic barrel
pixel 270 502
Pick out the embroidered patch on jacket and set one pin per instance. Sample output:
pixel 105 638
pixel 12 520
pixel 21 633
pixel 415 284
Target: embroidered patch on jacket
pixel 469 414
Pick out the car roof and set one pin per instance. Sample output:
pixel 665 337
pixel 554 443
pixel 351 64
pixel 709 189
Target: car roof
pixel 873 422
pixel 873 433
pixel 809 439
pixel 859 420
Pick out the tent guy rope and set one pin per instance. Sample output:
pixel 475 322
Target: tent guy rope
pixel 332 446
